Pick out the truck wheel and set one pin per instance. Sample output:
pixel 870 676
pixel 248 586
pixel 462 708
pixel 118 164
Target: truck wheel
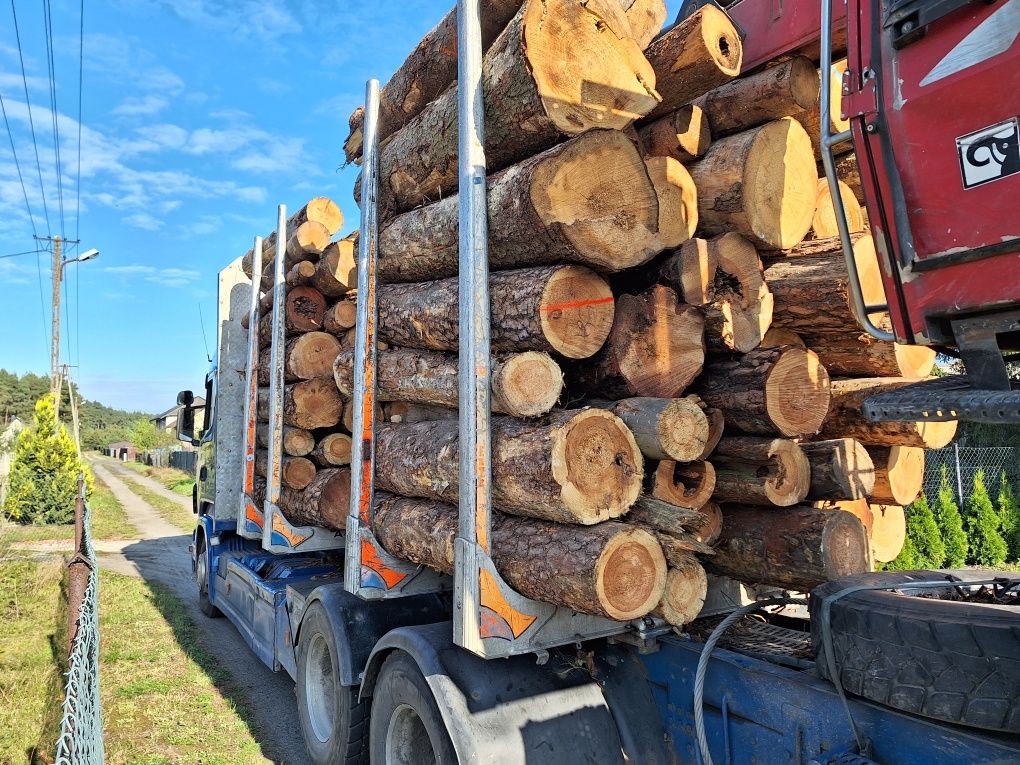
pixel 951 660
pixel 202 576
pixel 333 722
pixel 406 726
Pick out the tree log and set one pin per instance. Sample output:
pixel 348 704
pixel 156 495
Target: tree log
pixel 334 450
pixel 845 419
pixel 656 348
pixel 761 471
pixel 404 411
pixel 700 53
pixel 337 269
pixel 347 418
pixel 840 469
pixel 297 442
pixel 688 485
pixel 609 570
pixel 324 502
pixel 300 274
pixel 303 313
pixel 340 317
pixel 665 428
pixel 566 309
pixel 320 210
pixel 646 18
pixel 760 183
pixel 523 385
pixel 305 357
pixel 579 467
pixel 811 118
pixel 677 548
pixel 799 548
pixel 857 507
pixel 683 135
pixel 888 532
pixel 783 391
pixel 702 524
pixel 777 336
pixel 686 588
pixel 295 472
pixel 560 68
pixel 823 225
pixel 678 201
pixel 899 474
pixel 310 404
pixel 846 171
pixel 587 201
pixel 861 355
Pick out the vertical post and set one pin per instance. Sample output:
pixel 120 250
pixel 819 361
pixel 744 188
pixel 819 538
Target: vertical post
pixel 251 385
pixel 474 370
pixel 276 357
pixel 77 569
pixel 74 410
pixel 58 272
pixel 959 477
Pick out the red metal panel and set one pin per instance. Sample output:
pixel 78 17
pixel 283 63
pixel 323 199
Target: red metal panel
pixel 773 28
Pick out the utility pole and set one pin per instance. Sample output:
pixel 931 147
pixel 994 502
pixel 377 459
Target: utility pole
pixel 58 273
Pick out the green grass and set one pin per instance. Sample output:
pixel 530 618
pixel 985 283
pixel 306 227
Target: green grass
pixel 176 480
pixel 171 511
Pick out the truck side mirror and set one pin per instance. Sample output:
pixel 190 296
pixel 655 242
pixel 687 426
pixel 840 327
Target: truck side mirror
pixel 186 425
pixel 185 398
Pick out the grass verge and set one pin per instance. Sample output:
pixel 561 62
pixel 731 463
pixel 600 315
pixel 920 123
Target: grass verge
pixel 176 480
pixel 171 511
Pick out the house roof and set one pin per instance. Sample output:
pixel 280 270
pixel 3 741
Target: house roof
pixel 122 445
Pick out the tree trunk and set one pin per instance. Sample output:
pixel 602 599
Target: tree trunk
pixel 340 317
pixel 888 532
pixel 305 357
pixel 840 469
pixel 297 442
pixel 656 349
pixel 782 391
pixel 700 53
pixel 665 428
pixel 646 18
pixel 324 502
pixel 845 419
pixel 587 201
pixel 683 135
pixel 310 404
pixel 303 313
pixel 320 211
pixel 337 269
pixel 523 385
pixel 808 248
pixel 760 183
pixel 823 225
pixel 678 201
pixel 760 471
pixel 811 118
pixel 703 524
pixel 300 274
pixel 333 450
pixel 856 507
pixel 560 68
pixel 798 548
pixel 686 588
pixel 581 467
pixel 899 474
pixel 295 472
pixel 689 485
pixel 861 355
pixel 566 309
pixel 609 570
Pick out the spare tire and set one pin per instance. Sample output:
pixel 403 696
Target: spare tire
pixel 948 660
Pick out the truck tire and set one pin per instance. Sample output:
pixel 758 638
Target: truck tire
pixel 954 661
pixel 334 723
pixel 202 578
pixel 406 726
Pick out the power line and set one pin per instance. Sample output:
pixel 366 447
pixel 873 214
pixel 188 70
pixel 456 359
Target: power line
pixel 77 182
pixel 15 254
pixel 52 68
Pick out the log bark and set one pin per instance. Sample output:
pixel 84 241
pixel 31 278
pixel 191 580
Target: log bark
pixel 324 502
pixel 347 418
pixel 861 355
pixel 405 411
pixel 677 548
pixel 760 183
pixel 823 225
pixel 295 472
pixel 688 485
pixel 769 94
pixel 588 201
pixel 304 310
pixel 609 570
pixel 523 385
pixel 678 201
pixel 686 588
pixel 782 391
pixel 845 419
pixel 560 68
pixel 337 270
pixel 579 467
pixel 899 474
pixel 656 349
pixel 857 507
pixel 309 404
pixel 888 532
pixel 811 118
pixel 700 53
pixel 683 135
pixel 320 210
pixel 777 336
pixel 703 524
pixel 761 471
pixel 340 317
pixel 847 172
pixel 665 428
pixel 297 442
pixel 566 309
pixel 799 548
pixel 334 450
pixel 841 469
pixel 300 274
pixel 646 18
pixel 305 357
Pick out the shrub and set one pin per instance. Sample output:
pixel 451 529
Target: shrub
pixel 1009 513
pixel 924 536
pixel 987 547
pixel 950 523
pixel 907 560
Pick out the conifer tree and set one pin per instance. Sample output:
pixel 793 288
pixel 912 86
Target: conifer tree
pixel 907 559
pixel 922 531
pixel 983 524
pixel 950 523
pixel 1009 513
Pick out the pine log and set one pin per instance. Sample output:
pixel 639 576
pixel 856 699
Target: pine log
pixel 309 404
pixel 888 532
pixel 761 471
pixel 807 248
pixel 782 391
pixel 688 485
pixel 777 336
pixel 677 548
pixel 798 548
pixel 700 53
pixel 523 385
pixel 899 474
pixel 716 426
pixel 404 411
pixel 686 588
pixel 811 118
pixel 655 349
pixel 823 225
pixel 560 68
pixel 683 135
pixel 846 171
pixel 319 210
pixel 840 469
pixel 703 524
pixel 845 419
pixel 295 472
pixel 347 418
pixel 861 355
pixel 306 243
pixel 337 269
pixel 426 73
pixel 324 502
pixel 340 317
pixel 678 201
pixel 305 357
pixel 760 183
pixel 769 94
pixel 300 274
pixel 646 18
pixel 304 310
pixel 609 570
pixel 350 339
pixel 334 450
pixel 566 309
pixel 297 442
pixel 856 507
pixel 588 201
pixel 665 428
pixel 578 467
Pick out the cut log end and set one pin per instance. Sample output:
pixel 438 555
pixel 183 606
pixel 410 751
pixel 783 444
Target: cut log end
pixel 823 225
pixel 683 135
pixel 325 211
pixel 757 471
pixel 899 474
pixel 577 310
pixel 678 201
pixel 721 40
pixel 797 393
pixel 646 18
pixel 686 588
pixel 689 484
pixel 844 555
pixel 528 384
pixel 630 574
pixel 841 469
pixel 674 429
pixel 781 167
pixel 888 532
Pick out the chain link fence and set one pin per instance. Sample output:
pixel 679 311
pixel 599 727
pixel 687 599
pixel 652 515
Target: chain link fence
pixel 963 463
pixel 81 727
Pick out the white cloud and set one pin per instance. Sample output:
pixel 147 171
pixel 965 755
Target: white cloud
pixel 144 221
pixel 146 106
pixel 130 270
pixel 166 277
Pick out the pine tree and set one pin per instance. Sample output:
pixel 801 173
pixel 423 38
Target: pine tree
pixel 950 523
pixel 44 473
pixel 907 560
pixel 923 532
pixel 987 547
pixel 1009 513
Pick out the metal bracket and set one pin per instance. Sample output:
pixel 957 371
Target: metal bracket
pixel 862 101
pixel 977 338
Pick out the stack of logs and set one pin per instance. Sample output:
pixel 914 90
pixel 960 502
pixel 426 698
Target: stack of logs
pixel 678 369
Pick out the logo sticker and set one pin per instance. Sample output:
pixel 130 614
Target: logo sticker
pixel 989 154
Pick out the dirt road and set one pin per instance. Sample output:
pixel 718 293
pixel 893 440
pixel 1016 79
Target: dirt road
pixel 161 554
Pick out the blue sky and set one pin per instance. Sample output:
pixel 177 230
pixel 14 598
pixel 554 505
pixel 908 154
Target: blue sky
pixel 199 117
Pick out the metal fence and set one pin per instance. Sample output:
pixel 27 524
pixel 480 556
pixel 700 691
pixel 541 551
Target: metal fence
pixel 963 463
pixel 175 458
pixel 81 727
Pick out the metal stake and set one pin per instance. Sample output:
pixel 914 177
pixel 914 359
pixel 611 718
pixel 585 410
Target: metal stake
pixel 251 388
pixel 276 381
